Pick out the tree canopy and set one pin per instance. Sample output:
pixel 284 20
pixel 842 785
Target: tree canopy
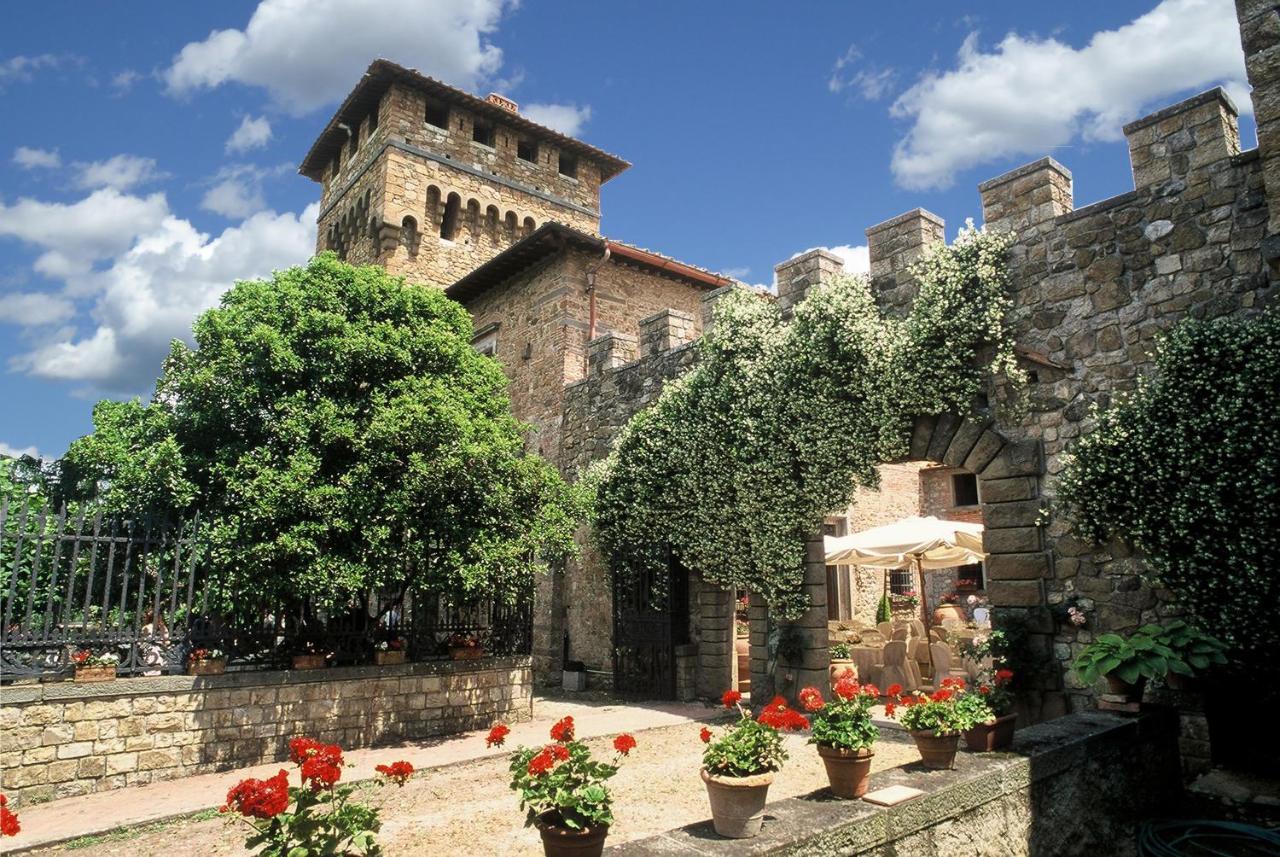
pixel 337 433
pixel 779 423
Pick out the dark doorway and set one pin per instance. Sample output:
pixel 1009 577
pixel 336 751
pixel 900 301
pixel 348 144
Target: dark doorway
pixel 650 618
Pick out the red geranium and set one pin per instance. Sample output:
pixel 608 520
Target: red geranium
pixel 302 748
pixel 730 698
pixel 8 821
pixel 889 708
pixel 259 798
pixel 1004 676
pixel 778 715
pixel 705 735
pixel 397 772
pixel 846 687
pixel 624 744
pixel 541 763
pixel 497 735
pixel 560 752
pixel 895 689
pixel 562 731
pixel 811 699
pixel 321 763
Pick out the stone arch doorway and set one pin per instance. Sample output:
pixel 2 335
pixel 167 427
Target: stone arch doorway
pixel 1009 477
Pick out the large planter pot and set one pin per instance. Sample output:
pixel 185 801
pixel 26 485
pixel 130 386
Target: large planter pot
pixel 561 841
pixel 995 734
pixel 944 612
pixel 841 667
pixel 1120 687
pixel 309 662
pixel 848 771
pixel 89 674
pixel 937 752
pixel 388 658
pixel 207 666
pixel 737 803
pixel 466 653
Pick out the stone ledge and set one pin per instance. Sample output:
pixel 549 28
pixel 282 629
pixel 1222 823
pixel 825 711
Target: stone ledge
pixel 1025 170
pixel 906 217
pixel 816 823
pixel 1207 97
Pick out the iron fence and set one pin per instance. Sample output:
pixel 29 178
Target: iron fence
pixel 81 580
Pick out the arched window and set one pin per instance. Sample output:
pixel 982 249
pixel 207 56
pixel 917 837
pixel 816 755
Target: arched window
pixel 529 226
pixel 409 236
pixel 449 223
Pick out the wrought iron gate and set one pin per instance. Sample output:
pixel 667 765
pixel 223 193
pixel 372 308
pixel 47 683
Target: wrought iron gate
pixel 650 618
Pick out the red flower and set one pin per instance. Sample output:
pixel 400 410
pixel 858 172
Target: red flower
pixel 559 752
pixel 320 774
pixel 624 744
pixel 730 698
pixel 984 690
pixel 397 772
pixel 541 763
pixel 1004 676
pixel 301 749
pixel 8 821
pixel 82 656
pixel 259 798
pixel 846 687
pixel 497 735
pixel 895 689
pixel 563 730
pixel 811 699
pixel 705 735
pixel 941 696
pixel 871 690
pixel 321 763
pixel 778 716
pixel 889 708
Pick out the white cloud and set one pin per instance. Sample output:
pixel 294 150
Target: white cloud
pixel 35 309
pixel 253 133
pixel 151 290
pixel 23 68
pixel 856 259
pixel 122 82
pixel 18 451
pixel 31 159
pixel 308 53
pixel 1031 95
pixel 871 82
pixel 234 197
pixel 120 173
pixel 565 118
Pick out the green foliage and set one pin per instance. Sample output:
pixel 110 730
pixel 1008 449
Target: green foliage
pixel 839 651
pixel 747 748
pixel 739 460
pixel 1140 655
pixel 321 823
pixel 337 433
pixel 1195 650
pixel 1187 470
pixel 884 610
pixel 941 712
pixel 574 789
pixel 976 708
pixel 844 721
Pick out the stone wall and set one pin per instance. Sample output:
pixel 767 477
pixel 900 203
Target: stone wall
pixel 65 739
pixel 1080 785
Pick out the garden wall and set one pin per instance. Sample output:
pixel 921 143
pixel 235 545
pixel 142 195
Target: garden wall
pixel 64 739
pixel 1076 785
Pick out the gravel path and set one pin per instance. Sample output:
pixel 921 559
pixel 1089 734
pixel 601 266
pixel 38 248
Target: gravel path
pixel 467 808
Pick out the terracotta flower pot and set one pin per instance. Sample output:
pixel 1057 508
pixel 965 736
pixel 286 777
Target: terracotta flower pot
pixel 841 667
pixel 944 612
pixel 737 803
pixel 388 658
pixel 1120 687
pixel 466 653
pixel 936 751
pixel 309 662
pixel 88 674
pixel 995 734
pixel 848 771
pixel 207 666
pixel 561 841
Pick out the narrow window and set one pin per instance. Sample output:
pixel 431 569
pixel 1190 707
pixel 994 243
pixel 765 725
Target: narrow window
pixel 964 489
pixel 482 133
pixel 970 577
pixel 449 223
pixel 373 121
pixel 438 115
pixel 527 150
pixel 353 142
pixel 568 165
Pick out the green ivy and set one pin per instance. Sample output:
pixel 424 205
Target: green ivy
pixel 779 423
pixel 1187 470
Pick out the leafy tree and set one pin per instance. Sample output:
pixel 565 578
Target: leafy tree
pixel 1187 470
pixel 337 433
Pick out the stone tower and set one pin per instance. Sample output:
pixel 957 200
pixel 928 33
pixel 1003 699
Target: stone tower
pixel 431 182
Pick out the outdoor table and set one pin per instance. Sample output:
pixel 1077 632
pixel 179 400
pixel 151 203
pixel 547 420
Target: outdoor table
pixel 868 660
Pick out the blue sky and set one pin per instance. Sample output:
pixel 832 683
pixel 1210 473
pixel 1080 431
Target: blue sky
pixel 150 149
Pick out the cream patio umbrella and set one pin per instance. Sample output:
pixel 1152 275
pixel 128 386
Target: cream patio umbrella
pixel 915 542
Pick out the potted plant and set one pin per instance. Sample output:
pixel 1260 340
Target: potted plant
pixel 934 720
pixel 950 609
pixel 884 610
pixel 390 652
pixel 95 667
pixel 465 647
pixel 738 766
pixel 324 819
pixel 203 661
pixel 990 707
pixel 841 663
pixel 562 789
pixel 1127 663
pixel 1195 652
pixel 844 734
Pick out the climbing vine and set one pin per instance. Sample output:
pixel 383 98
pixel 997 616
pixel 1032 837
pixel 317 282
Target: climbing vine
pixel 779 423
pixel 1187 470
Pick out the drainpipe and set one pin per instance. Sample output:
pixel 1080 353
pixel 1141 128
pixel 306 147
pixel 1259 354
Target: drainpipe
pixel 591 300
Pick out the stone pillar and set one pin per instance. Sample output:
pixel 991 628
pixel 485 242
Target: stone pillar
pixel 892 246
pixel 715 641
pixel 1179 142
pixel 1027 197
pixel 797 275
pixel 609 352
pixel 666 330
pixel 1260 36
pixel 812 625
pixel 762 683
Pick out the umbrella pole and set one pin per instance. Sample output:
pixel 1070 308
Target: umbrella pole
pixel 928 641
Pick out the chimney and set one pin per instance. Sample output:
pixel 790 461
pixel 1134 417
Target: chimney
pixel 503 102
